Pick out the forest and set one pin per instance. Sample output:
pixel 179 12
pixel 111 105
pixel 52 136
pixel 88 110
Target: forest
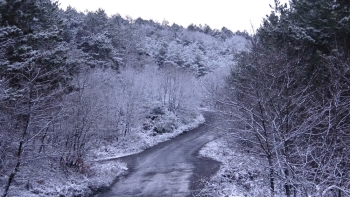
pixel 77 87
pixel 288 98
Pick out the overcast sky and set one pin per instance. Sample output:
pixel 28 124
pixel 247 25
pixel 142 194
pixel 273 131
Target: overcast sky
pixel 233 14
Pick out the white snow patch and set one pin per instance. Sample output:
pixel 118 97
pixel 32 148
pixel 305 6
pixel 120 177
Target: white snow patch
pixel 239 175
pixel 139 140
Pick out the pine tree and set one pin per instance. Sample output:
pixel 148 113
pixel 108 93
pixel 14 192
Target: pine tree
pixel 34 66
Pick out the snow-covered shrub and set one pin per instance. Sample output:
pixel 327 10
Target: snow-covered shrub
pixel 167 123
pixel 159 110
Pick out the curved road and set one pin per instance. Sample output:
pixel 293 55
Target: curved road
pixel 172 168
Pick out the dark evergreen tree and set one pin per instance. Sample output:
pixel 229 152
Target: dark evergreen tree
pixel 34 65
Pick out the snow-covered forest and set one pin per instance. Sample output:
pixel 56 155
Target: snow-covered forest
pixel 77 88
pixel 287 99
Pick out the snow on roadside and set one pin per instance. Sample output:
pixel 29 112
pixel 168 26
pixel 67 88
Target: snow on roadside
pixel 37 180
pixel 139 140
pixel 239 175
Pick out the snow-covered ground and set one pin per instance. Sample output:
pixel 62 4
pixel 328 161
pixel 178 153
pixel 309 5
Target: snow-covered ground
pixel 57 183
pixel 240 174
pixel 139 140
pixel 35 180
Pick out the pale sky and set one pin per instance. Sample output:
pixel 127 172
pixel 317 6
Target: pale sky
pixel 233 14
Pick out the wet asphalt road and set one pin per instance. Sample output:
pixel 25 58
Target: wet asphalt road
pixel 172 168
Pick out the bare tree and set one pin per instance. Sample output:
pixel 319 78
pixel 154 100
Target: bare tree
pixel 30 110
pixel 177 88
pixel 266 105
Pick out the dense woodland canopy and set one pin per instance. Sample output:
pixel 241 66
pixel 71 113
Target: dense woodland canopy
pixel 71 80
pixel 289 96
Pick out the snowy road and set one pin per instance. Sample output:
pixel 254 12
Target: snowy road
pixel 172 168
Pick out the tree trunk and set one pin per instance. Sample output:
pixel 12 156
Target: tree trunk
pixel 15 170
pixel 272 179
pixel 287 186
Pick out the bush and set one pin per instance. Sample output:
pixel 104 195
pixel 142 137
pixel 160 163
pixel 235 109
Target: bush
pixel 166 124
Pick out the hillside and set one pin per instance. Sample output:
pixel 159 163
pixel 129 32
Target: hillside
pixel 77 88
